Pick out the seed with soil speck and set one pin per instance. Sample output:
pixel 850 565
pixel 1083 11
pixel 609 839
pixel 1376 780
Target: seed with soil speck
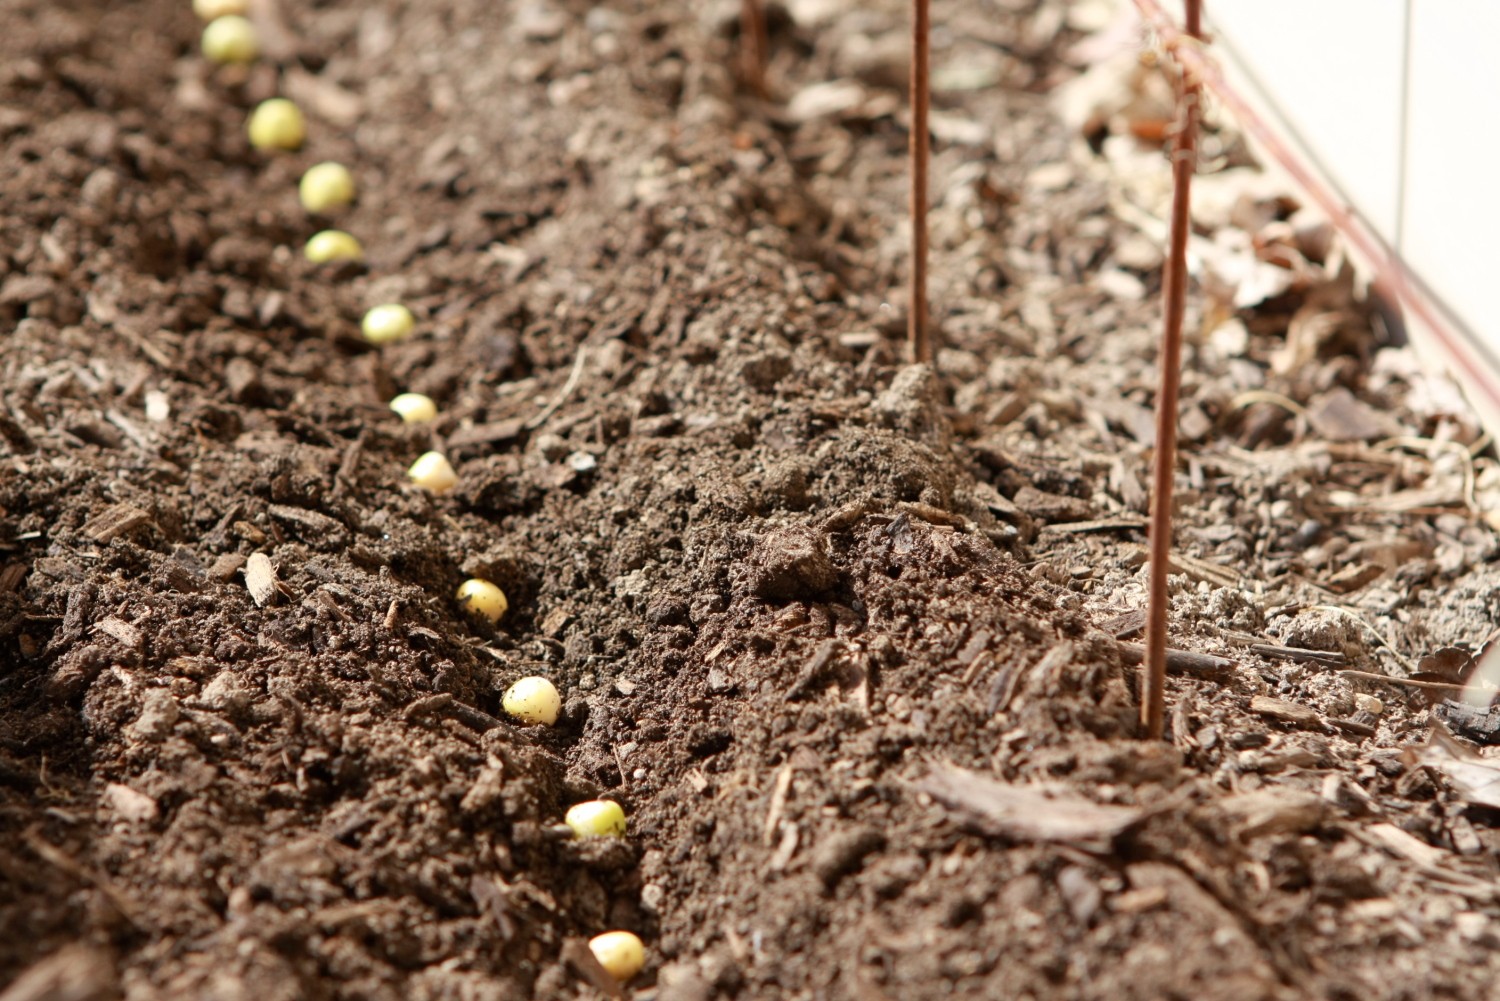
pixel 596 818
pixel 482 600
pixel 532 700
pixel 621 953
pixel 414 408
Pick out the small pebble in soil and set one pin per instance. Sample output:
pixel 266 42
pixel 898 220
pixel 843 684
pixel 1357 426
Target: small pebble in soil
pixel 387 323
pixel 276 124
pixel 433 472
pixel 414 408
pixel 596 818
pixel 1307 534
pixel 326 187
pixel 482 600
pixel 333 245
pixel 532 700
pixel 621 953
pixel 230 39
pixel 844 851
pixel 212 10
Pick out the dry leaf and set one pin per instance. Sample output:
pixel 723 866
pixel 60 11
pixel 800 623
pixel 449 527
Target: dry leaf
pixel 580 958
pixel 74 972
pixel 1485 679
pixel 130 805
pixel 1272 811
pixel 323 97
pixel 260 579
pixel 128 635
pixel 1026 812
pixel 1474 778
pixel 1449 663
pixel 1353 577
pixel 1403 845
pixel 1287 712
pixel 1338 416
pixel 115 521
pixel 826 99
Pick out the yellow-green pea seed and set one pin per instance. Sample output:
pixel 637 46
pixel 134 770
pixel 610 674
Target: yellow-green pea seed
pixel 326 187
pixel 414 408
pixel 388 323
pixel 333 245
pixel 212 10
pixel 482 600
pixel 433 472
pixel 230 39
pixel 621 953
pixel 596 819
pixel 276 124
pixel 532 700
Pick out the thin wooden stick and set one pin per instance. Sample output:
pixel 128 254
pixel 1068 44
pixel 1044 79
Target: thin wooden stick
pixel 916 321
pixel 1174 296
pixel 754 46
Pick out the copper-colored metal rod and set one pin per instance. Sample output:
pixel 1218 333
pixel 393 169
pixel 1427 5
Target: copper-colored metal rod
pixel 754 46
pixel 916 321
pixel 1174 297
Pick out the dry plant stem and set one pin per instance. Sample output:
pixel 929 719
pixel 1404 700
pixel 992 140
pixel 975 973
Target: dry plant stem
pixel 916 322
pixel 1174 295
pixel 754 46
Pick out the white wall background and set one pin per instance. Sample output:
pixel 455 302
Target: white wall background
pixel 1342 74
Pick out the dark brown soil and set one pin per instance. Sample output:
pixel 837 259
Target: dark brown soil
pixel 784 582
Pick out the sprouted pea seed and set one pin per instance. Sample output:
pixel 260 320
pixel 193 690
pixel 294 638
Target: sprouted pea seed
pixel 333 245
pixel 230 39
pixel 326 187
pixel 388 323
pixel 482 600
pixel 533 700
pixel 276 124
pixel 598 818
pixel 433 472
pixel 414 408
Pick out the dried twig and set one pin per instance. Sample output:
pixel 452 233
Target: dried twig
pixel 1174 295
pixel 563 394
pixel 754 46
pixel 1431 686
pixel 1198 665
pixel 916 321
pixel 1428 445
pixel 1275 651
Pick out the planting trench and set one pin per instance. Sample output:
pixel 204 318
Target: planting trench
pixel 785 583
